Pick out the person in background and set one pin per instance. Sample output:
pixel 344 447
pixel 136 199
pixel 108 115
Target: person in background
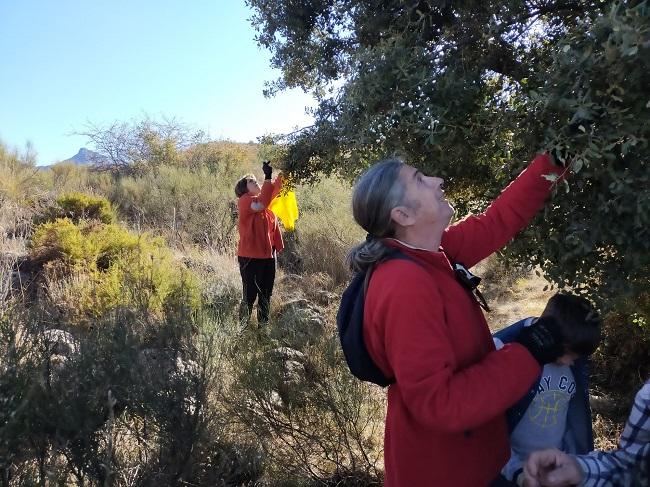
pixel 627 466
pixel 260 240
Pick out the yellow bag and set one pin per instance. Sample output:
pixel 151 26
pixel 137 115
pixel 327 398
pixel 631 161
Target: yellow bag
pixel 285 207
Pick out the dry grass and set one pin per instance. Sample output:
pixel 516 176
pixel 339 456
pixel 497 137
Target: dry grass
pixel 225 266
pixel 13 244
pixel 606 432
pixel 511 294
pixel 6 269
pixel 15 227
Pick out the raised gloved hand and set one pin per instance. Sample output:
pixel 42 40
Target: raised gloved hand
pixel 543 339
pixel 268 170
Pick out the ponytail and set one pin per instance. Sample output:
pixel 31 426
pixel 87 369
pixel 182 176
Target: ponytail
pixel 363 256
pixel 377 192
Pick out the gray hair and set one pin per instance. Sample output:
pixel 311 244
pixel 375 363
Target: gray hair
pixel 375 194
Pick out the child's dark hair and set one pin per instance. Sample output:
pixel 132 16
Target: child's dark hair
pixel 241 188
pixel 578 320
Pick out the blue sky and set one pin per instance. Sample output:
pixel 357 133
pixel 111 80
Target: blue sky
pixel 64 63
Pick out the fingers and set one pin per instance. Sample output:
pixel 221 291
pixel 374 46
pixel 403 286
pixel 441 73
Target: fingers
pixel 566 473
pixel 551 468
pixel 537 465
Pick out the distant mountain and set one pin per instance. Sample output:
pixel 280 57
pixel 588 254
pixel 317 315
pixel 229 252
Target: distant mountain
pixel 86 156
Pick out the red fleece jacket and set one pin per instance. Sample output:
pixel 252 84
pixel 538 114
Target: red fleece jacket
pixel 259 232
pixel 445 423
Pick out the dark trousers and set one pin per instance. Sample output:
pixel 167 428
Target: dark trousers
pixel 257 276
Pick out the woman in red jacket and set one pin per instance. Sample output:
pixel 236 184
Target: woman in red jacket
pixel 259 241
pixel 445 422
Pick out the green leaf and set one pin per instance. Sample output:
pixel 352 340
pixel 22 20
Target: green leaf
pixel 577 165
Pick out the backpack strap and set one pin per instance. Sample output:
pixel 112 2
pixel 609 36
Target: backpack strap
pixel 349 321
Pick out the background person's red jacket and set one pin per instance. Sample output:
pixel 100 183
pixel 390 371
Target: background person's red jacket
pixel 445 424
pixel 259 232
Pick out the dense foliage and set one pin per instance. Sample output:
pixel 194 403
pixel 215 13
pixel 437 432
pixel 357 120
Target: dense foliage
pixel 470 90
pixel 597 234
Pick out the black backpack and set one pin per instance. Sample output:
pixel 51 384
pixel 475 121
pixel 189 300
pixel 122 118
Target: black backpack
pixel 349 320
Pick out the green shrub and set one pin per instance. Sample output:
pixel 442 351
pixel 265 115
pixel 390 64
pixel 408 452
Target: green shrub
pixel 119 410
pixel 92 268
pixel 80 206
pixel 67 177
